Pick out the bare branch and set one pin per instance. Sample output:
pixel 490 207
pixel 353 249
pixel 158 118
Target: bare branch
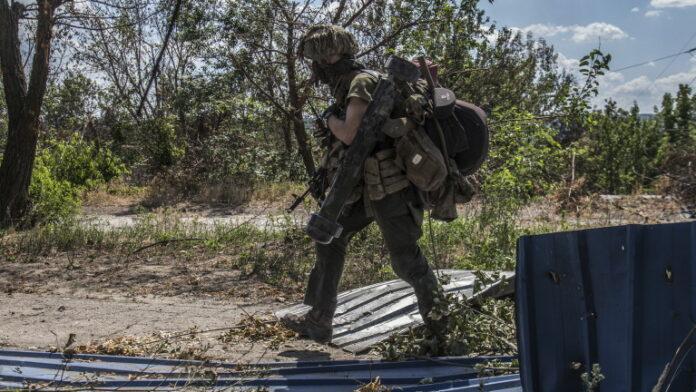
pixel 358 13
pixel 389 38
pixel 155 68
pixel 339 12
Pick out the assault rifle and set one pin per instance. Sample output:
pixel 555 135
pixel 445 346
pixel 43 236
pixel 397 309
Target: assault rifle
pixel 323 226
pixel 316 183
pixel 315 188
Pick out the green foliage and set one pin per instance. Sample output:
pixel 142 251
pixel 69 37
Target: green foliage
pixel 488 329
pixel 577 100
pixel 618 152
pixel 525 159
pixel 68 106
pixel 53 199
pixel 160 141
pixel 62 169
pixel 667 114
pixel 684 115
pixel 592 66
pixel 240 148
pixel 83 164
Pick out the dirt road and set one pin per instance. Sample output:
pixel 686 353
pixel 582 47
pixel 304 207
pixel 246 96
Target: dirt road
pixel 124 301
pixel 39 321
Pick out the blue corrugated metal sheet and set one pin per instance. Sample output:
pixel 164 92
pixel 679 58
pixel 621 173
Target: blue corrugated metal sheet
pixel 54 370
pixel 622 297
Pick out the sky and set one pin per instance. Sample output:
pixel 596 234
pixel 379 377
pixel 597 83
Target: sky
pixel 633 31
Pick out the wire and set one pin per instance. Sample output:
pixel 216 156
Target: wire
pixel 675 58
pixel 659 59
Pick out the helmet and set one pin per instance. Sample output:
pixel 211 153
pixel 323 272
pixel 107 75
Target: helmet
pixel 322 41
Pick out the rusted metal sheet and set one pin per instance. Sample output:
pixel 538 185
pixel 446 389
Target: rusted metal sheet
pixel 368 315
pixel 43 370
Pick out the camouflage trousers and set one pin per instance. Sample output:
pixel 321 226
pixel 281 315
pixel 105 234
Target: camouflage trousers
pixel 399 217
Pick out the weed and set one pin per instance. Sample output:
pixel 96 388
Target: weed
pixel 373 386
pixel 591 379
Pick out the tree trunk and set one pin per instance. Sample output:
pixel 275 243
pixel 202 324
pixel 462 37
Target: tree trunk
pixel 23 105
pixel 298 124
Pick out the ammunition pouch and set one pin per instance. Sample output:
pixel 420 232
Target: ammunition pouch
pixel 421 160
pixel 457 189
pixel 383 176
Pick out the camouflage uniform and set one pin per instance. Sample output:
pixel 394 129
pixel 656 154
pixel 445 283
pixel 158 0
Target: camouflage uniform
pixel 384 196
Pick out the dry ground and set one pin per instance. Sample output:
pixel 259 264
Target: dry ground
pixel 135 302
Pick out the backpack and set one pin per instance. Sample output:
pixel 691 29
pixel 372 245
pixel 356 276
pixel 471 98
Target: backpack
pixel 465 136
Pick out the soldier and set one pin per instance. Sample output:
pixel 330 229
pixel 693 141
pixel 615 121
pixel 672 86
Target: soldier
pixel 385 195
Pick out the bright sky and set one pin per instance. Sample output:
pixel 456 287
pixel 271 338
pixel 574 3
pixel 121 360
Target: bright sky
pixel 633 31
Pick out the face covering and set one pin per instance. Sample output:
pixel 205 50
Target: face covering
pixel 331 73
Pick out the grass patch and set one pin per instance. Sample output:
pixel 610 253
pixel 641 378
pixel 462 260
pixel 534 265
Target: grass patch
pixel 114 193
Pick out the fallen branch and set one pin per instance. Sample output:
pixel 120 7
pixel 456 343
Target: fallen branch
pixel 673 365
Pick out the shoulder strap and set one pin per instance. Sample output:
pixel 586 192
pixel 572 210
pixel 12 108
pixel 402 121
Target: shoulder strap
pixel 370 72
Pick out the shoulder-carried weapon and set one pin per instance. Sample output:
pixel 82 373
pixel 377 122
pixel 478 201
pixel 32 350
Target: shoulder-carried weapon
pixel 323 226
pixel 315 188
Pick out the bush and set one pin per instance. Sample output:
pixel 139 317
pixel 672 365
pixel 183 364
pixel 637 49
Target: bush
pixel 524 160
pixel 618 152
pixel 82 164
pixel 161 143
pixel 62 170
pixel 53 199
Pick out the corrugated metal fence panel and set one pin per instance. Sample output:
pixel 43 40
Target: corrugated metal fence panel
pixel 623 297
pixel 368 315
pixel 41 369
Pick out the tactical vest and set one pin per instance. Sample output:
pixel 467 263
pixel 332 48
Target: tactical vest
pixel 410 153
pixel 382 175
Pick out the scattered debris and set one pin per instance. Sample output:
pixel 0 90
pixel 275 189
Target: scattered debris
pixel 172 344
pixel 55 371
pixel 256 329
pixel 369 315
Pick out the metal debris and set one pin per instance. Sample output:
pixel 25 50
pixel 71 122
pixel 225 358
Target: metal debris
pixel 368 315
pixel 55 371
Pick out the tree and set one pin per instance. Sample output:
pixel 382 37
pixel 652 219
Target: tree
pixel 23 101
pixel 70 105
pixel 684 114
pixel 668 119
pixel 3 120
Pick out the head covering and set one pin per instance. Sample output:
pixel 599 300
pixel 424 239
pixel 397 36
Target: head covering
pixel 322 41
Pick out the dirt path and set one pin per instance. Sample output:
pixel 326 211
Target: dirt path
pixel 120 300
pixel 43 322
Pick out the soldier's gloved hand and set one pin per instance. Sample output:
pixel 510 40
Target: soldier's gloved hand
pixel 333 109
pixel 321 128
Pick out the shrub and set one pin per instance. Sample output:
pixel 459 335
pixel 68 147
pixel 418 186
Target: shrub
pixel 618 152
pixel 81 163
pixel 524 160
pixel 52 199
pixel 62 170
pixel 160 141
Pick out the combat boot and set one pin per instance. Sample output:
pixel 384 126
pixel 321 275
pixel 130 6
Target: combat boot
pixel 315 325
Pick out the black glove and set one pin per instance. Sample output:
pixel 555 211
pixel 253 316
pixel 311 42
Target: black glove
pixel 321 129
